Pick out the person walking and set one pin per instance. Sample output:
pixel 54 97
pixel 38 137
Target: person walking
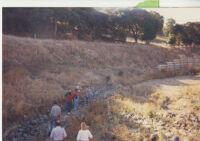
pixel 55 114
pixel 84 134
pixel 58 133
pixel 79 92
pixel 76 101
pixel 87 94
pixel 69 101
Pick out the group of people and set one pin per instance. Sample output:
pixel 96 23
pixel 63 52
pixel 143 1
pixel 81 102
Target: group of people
pixel 59 133
pixel 56 132
pixel 73 98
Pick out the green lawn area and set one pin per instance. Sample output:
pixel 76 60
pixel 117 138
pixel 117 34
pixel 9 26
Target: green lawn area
pixel 149 3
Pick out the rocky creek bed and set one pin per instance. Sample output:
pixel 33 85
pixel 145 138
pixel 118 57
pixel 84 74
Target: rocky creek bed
pixel 39 125
pixel 167 122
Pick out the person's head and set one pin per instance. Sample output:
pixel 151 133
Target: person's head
pixel 83 126
pixel 55 103
pixel 58 123
pixel 77 87
pixel 69 91
pixel 176 138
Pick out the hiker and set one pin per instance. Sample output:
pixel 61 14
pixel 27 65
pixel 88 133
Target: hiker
pixel 55 114
pixel 79 92
pixel 58 133
pixel 84 134
pixel 75 96
pixel 87 94
pixel 69 101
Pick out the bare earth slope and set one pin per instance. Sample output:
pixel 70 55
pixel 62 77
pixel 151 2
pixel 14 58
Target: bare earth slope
pixel 163 107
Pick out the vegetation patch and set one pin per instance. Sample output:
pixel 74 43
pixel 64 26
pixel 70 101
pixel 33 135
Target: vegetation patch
pixel 148 4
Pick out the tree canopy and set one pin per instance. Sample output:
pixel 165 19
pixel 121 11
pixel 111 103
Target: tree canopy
pixel 82 23
pixel 182 34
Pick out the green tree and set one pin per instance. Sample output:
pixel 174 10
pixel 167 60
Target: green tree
pixel 138 24
pixel 149 28
pixel 160 21
pixel 171 39
pixel 169 27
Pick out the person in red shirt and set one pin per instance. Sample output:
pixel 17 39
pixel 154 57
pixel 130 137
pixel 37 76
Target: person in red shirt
pixel 69 101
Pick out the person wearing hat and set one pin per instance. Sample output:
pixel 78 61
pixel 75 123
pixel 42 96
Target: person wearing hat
pixel 58 133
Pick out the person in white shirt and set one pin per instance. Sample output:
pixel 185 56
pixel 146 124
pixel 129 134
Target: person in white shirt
pixel 54 115
pixel 84 134
pixel 58 133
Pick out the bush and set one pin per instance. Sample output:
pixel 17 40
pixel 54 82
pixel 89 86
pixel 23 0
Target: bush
pixel 171 39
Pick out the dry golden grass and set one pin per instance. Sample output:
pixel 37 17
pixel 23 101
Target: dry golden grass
pixel 106 119
pixel 37 72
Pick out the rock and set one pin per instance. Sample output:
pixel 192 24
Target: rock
pixel 162 122
pixel 168 135
pixel 186 139
pixel 14 139
pixel 33 122
pixel 134 130
pixel 20 129
pixel 127 116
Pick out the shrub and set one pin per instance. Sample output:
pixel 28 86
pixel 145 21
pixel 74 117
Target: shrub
pixel 171 39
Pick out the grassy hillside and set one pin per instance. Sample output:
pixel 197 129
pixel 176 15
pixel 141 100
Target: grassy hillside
pixel 37 72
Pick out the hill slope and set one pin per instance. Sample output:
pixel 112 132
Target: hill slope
pixel 37 72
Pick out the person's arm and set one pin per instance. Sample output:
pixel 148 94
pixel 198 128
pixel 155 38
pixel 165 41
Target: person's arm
pixel 78 136
pixel 90 135
pixel 50 113
pixel 64 134
pixel 60 110
pixel 52 135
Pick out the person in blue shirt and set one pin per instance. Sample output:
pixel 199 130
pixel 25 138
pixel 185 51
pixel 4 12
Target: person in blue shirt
pixel 88 93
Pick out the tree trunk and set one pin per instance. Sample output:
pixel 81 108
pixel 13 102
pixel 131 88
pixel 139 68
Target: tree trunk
pixel 136 39
pixel 55 29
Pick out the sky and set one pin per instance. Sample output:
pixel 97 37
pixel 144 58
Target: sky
pixel 179 3
pixel 181 15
